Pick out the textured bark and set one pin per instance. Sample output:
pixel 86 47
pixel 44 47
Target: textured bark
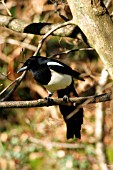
pixel 35 28
pixel 82 101
pixel 95 22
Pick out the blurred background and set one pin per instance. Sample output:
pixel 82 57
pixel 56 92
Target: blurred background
pixel 35 138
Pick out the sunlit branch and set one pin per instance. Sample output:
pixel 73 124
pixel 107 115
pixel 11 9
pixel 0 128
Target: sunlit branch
pixel 82 101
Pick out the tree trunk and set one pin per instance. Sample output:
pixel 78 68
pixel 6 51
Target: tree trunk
pixel 93 19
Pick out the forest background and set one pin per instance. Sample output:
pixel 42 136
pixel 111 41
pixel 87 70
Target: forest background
pixel 35 137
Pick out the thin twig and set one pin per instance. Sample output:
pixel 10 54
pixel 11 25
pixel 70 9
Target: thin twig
pixel 17 81
pixel 5 6
pixel 16 42
pixel 85 103
pixel 8 86
pixel 49 33
pixel 108 3
pixel 72 50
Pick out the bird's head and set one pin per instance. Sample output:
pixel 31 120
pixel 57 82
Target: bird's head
pixel 29 64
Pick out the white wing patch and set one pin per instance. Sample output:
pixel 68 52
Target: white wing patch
pixel 58 81
pixel 53 63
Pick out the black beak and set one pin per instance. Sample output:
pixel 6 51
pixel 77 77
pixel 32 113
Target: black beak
pixel 22 69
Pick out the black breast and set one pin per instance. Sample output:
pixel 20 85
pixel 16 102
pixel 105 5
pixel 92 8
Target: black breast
pixel 42 74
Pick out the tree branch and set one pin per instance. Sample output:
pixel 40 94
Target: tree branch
pixel 82 101
pixel 56 144
pixel 34 28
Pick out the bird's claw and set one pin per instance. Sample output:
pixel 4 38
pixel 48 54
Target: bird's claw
pixel 65 98
pixel 49 99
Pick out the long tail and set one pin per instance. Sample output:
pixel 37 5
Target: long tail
pixel 74 123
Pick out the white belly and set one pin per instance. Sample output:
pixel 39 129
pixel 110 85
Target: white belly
pixel 58 82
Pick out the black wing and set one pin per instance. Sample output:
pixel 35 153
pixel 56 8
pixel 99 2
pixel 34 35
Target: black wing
pixel 63 69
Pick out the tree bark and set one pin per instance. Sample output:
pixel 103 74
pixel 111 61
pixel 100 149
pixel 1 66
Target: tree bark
pixel 22 26
pixel 95 22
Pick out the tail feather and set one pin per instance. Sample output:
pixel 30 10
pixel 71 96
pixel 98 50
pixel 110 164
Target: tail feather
pixel 74 123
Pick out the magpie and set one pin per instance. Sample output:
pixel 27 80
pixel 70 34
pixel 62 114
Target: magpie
pixel 57 76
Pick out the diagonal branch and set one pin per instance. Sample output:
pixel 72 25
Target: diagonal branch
pixel 49 33
pixel 17 82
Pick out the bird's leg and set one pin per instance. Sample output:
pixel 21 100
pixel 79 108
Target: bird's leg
pixel 66 96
